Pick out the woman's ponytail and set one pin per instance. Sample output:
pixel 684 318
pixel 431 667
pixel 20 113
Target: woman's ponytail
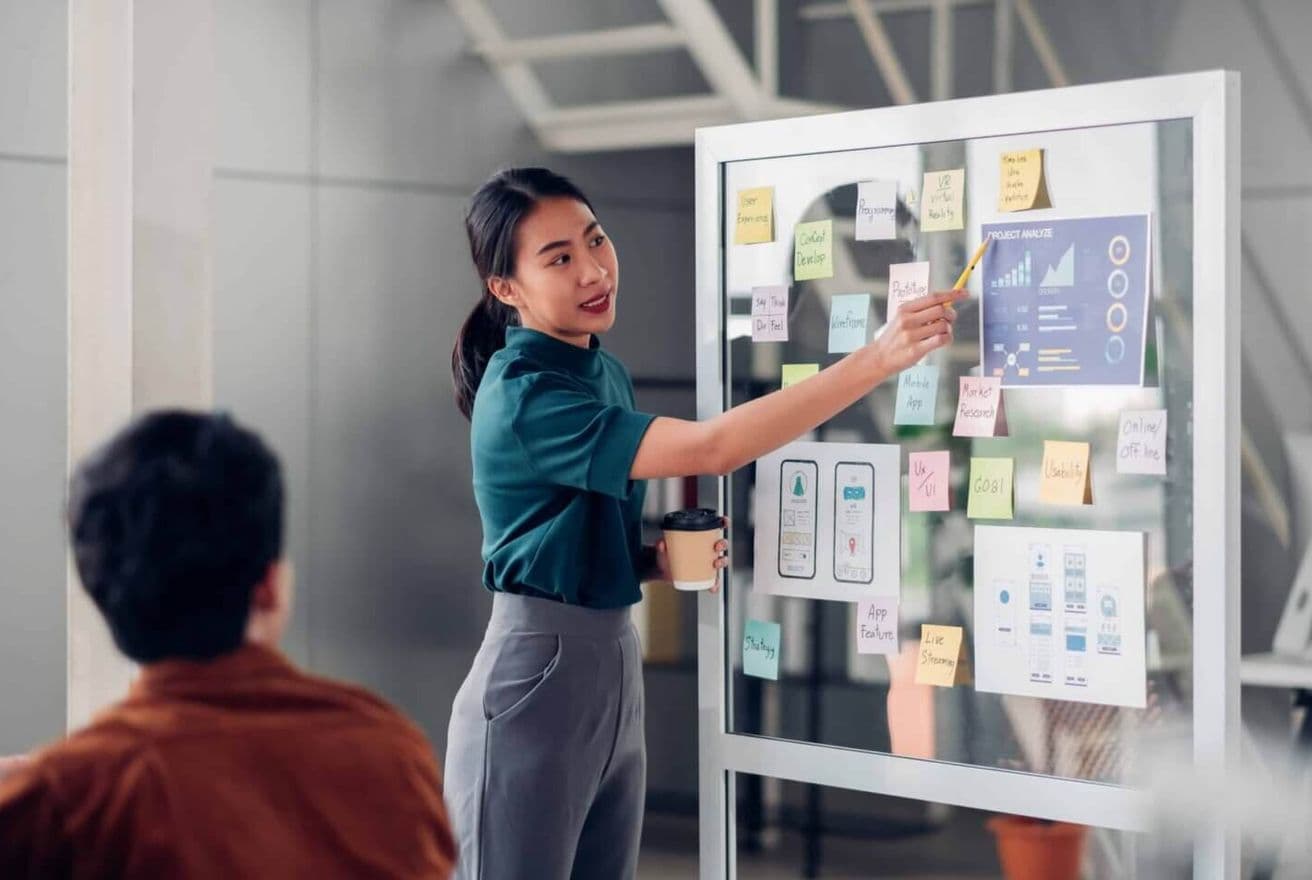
pixel 482 335
pixel 493 216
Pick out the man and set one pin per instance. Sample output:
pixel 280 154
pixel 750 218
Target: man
pixel 224 760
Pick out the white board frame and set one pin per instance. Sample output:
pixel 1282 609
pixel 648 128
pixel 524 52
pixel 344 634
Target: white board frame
pixel 1210 101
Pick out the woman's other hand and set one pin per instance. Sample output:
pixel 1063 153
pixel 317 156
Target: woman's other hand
pixel 721 558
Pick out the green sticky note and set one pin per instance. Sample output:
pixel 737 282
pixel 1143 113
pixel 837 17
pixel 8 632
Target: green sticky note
pixel 917 392
pixel 991 490
pixel 761 649
pixel 794 373
pixel 813 250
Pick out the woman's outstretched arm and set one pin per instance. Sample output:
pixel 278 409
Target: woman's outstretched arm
pixel 721 445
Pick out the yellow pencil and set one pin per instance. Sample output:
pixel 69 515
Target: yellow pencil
pixel 970 267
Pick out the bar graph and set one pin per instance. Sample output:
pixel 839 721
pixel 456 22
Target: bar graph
pixel 1017 276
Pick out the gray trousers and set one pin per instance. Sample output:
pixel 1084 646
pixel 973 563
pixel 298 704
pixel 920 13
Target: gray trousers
pixel 546 760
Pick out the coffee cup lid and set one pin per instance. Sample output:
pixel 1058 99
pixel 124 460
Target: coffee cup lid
pixel 697 519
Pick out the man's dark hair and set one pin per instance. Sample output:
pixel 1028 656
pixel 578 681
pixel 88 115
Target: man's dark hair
pixel 173 522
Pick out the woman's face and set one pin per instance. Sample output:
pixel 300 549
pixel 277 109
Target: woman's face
pixel 566 272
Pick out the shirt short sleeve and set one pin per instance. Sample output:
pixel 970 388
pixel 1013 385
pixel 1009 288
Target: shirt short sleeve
pixel 574 439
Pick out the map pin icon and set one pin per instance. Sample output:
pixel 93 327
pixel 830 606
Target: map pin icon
pixel 851 546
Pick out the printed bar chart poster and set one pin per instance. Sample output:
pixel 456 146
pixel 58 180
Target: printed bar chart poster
pixel 1059 614
pixel 1065 302
pixel 828 521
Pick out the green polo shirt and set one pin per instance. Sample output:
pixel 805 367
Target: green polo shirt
pixel 553 438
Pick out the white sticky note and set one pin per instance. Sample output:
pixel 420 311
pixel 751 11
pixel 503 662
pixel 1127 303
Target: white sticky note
pixel 876 626
pixel 906 282
pixel 1141 442
pixel 876 210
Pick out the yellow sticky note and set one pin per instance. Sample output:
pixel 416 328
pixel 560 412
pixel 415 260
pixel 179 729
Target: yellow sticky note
pixel 940 200
pixel 813 250
pixel 755 223
pixel 794 373
pixel 1021 185
pixel 1065 476
pixel 991 492
pixel 942 660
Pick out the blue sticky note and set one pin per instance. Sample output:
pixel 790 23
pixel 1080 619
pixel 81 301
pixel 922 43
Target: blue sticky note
pixel 917 391
pixel 849 319
pixel 761 649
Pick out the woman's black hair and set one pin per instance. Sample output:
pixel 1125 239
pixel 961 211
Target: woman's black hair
pixel 493 217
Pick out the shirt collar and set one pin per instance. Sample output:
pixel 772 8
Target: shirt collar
pixel 556 353
pixel 247 662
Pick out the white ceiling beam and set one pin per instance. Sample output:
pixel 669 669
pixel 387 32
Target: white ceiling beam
pixel 1042 43
pixel 767 46
pixel 1004 37
pixel 716 53
pixel 519 81
pixel 653 122
pixel 882 51
pixel 940 51
pixel 841 9
pixel 634 40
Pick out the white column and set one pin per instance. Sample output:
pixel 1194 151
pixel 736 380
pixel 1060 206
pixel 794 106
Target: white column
pixel 140 157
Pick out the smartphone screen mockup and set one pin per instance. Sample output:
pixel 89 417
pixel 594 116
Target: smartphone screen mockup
pixel 798 503
pixel 854 522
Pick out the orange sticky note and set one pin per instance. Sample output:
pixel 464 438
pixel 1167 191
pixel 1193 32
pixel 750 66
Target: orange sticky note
pixel 927 480
pixel 1065 476
pixel 942 660
pixel 1021 184
pixel 755 221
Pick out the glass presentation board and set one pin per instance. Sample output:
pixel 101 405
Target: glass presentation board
pixel 927 598
pixel 826 691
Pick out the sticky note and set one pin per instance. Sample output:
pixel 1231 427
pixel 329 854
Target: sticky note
pixel 917 392
pixel 906 281
pixel 991 492
pixel 761 649
pixel 770 313
pixel 813 250
pixel 927 481
pixel 1021 185
pixel 1141 442
pixel 876 626
pixel 794 373
pixel 755 223
pixel 876 210
pixel 941 660
pixel 849 318
pixel 940 202
pixel 1064 478
pixel 980 412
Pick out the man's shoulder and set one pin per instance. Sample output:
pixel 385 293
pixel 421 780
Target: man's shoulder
pixel 364 708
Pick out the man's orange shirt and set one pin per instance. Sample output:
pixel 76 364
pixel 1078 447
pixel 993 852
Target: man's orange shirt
pixel 239 767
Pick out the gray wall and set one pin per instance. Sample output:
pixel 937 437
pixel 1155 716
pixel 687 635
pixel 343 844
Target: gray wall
pixel 33 46
pixel 351 135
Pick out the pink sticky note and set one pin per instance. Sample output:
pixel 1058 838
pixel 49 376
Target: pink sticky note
pixel 769 328
pixel 906 282
pixel 980 411
pixel 770 313
pixel 876 626
pixel 927 480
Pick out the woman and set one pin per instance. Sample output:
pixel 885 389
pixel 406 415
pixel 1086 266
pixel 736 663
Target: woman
pixel 546 761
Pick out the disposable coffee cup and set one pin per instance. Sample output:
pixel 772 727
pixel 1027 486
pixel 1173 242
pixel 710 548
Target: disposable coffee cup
pixel 690 539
